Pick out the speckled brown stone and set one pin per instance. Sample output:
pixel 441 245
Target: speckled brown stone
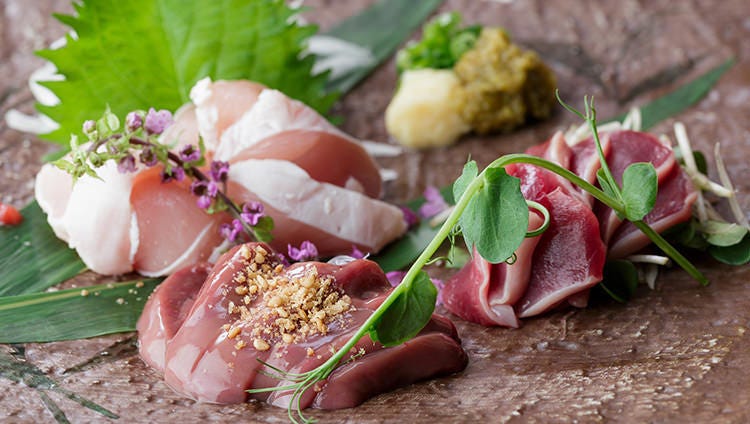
pixel 677 354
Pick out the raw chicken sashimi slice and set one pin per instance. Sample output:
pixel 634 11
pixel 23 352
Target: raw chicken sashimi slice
pixel 585 162
pixel 484 293
pixel 100 223
pixel 204 361
pixel 569 257
pixel 184 129
pixel 332 217
pixel 220 104
pixel 674 205
pixel 626 148
pixel 169 305
pixel 353 168
pixel 52 190
pixel 271 114
pixel 174 232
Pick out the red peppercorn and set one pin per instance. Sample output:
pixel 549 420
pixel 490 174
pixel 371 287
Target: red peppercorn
pixel 9 215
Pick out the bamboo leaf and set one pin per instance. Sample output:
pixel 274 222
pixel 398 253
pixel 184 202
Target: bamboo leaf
pixel 32 258
pixel 381 28
pixel 74 313
pixel 680 99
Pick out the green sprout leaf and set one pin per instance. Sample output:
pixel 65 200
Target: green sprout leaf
pixel 468 174
pixel 496 218
pixel 737 254
pixel 639 187
pixel 723 234
pixel 408 314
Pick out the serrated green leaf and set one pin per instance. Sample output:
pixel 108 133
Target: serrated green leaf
pixel 496 218
pixel 639 188
pixel 148 53
pixel 737 254
pixel 69 314
pixel 722 234
pixel 32 258
pixel 408 314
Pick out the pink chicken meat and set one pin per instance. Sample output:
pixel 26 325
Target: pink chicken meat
pixel 208 338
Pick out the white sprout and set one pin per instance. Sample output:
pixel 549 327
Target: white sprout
pixel 724 178
pixel 649 259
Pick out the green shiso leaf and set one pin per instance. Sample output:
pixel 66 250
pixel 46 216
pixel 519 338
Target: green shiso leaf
pixel 32 258
pixel 69 314
pixel 149 53
pixel 408 314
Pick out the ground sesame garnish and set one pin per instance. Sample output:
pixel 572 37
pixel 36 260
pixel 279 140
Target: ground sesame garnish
pixel 139 284
pixel 84 292
pixel 283 308
pixel 120 301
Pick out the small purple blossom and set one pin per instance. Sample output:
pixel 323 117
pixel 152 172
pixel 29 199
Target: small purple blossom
pixel 133 121
pixel 410 217
pixel 232 230
pixel 89 127
pixel 126 164
pixel 395 277
pixel 356 253
pixel 204 202
pixel 148 157
pixel 219 171
pixel 439 285
pixel 157 122
pixel 252 212
pixel 434 203
pixel 176 174
pixel 190 153
pixel 306 251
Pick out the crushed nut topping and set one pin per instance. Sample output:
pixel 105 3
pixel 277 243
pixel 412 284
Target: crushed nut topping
pixel 283 308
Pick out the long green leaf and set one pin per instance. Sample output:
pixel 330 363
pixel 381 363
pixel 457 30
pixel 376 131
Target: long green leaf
pixel 74 313
pixel 32 258
pixel 680 99
pixel 15 368
pixel 381 28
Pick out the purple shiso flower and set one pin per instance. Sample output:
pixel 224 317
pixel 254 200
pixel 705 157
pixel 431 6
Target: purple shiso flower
pixel 133 121
pixel 252 212
pixel 356 253
pixel 89 127
pixel 126 164
pixel 395 277
pixel 410 217
pixel 148 157
pixel 306 251
pixel 176 174
pixel 434 203
pixel 157 122
pixel 232 230
pixel 204 202
pixel 219 171
pixel 190 153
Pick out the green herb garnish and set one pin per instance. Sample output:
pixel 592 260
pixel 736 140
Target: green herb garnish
pixel 442 44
